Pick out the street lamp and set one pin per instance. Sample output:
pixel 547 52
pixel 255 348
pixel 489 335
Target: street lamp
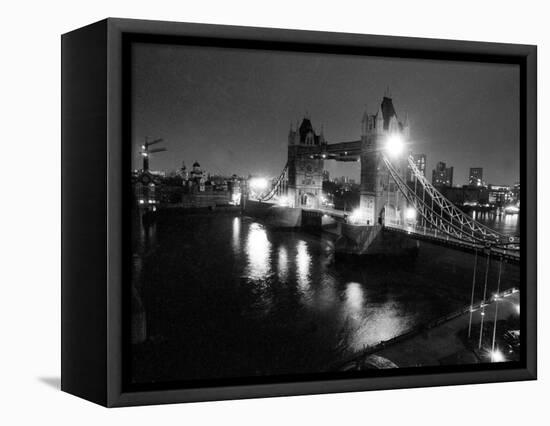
pixel 394 145
pixel 258 184
pixel 410 214
pixel 497 356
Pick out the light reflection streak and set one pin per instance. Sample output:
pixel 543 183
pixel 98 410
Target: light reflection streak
pixel 282 266
pixel 354 299
pixel 258 250
pixel 370 324
pixel 303 264
pixel 236 241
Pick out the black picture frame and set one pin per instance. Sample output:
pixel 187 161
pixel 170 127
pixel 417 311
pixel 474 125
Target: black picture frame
pixel 95 126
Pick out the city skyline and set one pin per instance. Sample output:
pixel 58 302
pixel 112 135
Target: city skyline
pixel 231 109
pixel 353 179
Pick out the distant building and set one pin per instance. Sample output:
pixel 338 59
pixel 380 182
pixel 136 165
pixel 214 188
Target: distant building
pixel 500 195
pixel 475 178
pixel 516 192
pixel 196 179
pixel 182 172
pixel 420 163
pixel 442 176
pixel 467 195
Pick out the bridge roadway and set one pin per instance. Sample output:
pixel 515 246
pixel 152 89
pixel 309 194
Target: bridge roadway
pixel 430 234
pixel 427 234
pixel 340 151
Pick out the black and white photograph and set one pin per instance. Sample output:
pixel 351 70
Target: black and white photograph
pixel 275 213
pixel 296 213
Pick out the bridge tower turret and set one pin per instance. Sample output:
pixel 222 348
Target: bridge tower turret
pixel 379 195
pixel 305 171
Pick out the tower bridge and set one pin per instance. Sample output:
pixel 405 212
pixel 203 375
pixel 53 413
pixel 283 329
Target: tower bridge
pixel 393 210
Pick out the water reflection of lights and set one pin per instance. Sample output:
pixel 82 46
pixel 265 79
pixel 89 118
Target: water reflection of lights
pixel 371 324
pixel 236 198
pixel 282 266
pixel 303 264
pixel 354 298
pixel 511 220
pixel 258 250
pixel 236 234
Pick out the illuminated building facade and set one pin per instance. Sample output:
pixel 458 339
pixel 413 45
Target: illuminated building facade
pixel 420 163
pixel 442 176
pixel 475 178
pixel 305 174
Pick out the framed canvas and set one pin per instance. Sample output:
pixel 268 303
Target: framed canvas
pixel 253 212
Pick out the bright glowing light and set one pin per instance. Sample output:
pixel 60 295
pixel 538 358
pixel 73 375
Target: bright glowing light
pixel 258 184
pixel 497 356
pixel 141 201
pixel 395 145
pixel 517 309
pixel 410 214
pixel 144 154
pixel 511 210
pixel 283 201
pixel 357 217
pixel 236 198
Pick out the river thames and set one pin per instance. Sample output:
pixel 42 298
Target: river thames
pixel 225 296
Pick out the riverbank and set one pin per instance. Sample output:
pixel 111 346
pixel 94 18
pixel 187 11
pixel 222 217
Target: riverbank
pixel 446 342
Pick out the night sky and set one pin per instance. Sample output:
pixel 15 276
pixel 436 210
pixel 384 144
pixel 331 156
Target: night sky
pixel 231 109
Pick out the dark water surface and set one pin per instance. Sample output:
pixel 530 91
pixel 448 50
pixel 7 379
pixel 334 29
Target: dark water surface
pixel 224 296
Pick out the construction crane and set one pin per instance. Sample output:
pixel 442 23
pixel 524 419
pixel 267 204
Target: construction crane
pixel 146 152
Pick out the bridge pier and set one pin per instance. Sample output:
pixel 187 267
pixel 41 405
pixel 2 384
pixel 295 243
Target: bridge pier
pixel 364 240
pixel 312 220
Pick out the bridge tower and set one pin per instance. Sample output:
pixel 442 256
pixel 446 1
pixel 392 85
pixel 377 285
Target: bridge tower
pixel 380 198
pixel 305 171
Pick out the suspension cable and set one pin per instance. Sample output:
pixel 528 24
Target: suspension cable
pixel 472 298
pixel 454 212
pixel 484 296
pixel 496 308
pixel 278 183
pixel 437 220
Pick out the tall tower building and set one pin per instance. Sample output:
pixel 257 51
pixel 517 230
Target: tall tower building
pixel 380 196
pixel 305 174
pixel 475 178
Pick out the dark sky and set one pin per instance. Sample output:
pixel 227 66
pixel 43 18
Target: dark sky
pixel 231 109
